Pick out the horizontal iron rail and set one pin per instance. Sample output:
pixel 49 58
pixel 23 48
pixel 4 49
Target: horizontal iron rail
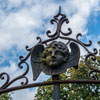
pixel 49 83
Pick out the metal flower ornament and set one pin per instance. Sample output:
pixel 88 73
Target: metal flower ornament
pixel 52 57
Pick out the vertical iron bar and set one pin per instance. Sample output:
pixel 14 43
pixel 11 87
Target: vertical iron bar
pixel 56 88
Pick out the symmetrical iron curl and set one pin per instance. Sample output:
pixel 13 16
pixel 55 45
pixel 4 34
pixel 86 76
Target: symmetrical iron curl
pixel 9 82
pixel 92 57
pixel 59 19
pixel 2 78
pixel 59 22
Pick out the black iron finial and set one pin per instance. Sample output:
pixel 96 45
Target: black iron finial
pixel 59 9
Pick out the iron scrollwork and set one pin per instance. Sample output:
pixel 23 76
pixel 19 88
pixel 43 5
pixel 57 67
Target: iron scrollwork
pixel 59 19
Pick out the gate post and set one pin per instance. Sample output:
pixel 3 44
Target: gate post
pixel 56 88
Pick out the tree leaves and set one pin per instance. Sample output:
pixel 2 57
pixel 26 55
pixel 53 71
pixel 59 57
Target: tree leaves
pixel 5 96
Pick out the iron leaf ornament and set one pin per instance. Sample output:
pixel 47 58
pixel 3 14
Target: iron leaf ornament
pixel 51 56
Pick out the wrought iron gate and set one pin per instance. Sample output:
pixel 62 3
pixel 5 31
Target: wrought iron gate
pixel 58 50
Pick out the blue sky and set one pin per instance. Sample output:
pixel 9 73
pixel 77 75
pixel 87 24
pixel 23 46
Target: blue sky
pixel 21 21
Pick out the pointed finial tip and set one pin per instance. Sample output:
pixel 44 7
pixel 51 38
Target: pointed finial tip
pixel 59 9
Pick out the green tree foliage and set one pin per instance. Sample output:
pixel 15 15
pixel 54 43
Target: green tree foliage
pixel 5 96
pixel 73 91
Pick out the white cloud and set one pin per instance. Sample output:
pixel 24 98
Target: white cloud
pixel 80 12
pixel 24 94
pixel 14 3
pixel 21 27
pixel 12 68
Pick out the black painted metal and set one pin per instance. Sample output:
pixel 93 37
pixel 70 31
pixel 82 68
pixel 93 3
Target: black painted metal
pixel 59 19
pixel 56 88
pixel 49 83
